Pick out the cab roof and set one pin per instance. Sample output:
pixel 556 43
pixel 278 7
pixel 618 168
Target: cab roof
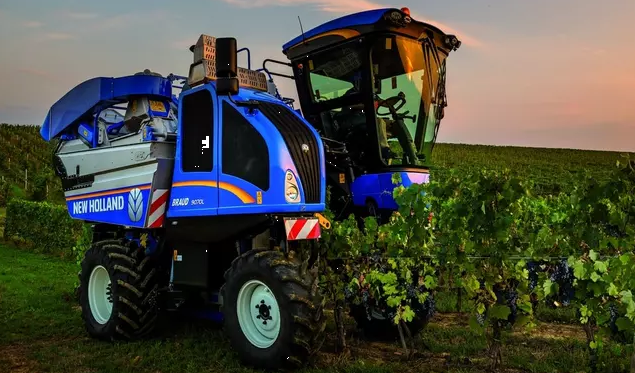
pixel 361 23
pixel 356 19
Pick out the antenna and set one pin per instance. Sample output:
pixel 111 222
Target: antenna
pixel 301 30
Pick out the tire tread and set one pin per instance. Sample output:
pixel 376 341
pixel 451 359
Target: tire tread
pixel 132 285
pixel 308 318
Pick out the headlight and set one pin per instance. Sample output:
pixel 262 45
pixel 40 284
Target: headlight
pixel 291 190
pixel 292 193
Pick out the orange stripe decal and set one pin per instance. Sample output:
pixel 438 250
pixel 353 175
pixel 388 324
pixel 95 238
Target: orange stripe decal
pixel 107 193
pixel 238 192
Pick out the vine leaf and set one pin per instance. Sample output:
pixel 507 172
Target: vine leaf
pixel 480 308
pixel 499 311
pixel 548 287
pixel 579 270
pixel 613 291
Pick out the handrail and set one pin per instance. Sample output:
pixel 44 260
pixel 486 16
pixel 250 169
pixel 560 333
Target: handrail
pixel 264 63
pixel 248 56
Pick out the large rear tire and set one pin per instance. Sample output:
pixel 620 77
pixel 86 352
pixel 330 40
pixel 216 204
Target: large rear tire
pixel 118 291
pixel 273 316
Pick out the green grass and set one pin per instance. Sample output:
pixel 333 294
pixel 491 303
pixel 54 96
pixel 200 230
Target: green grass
pixel 41 331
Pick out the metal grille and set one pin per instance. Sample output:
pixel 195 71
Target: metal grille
pixel 295 134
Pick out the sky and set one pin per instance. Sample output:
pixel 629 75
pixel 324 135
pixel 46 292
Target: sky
pixel 543 73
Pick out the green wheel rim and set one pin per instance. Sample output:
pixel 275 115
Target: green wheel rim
pixel 99 294
pixel 258 314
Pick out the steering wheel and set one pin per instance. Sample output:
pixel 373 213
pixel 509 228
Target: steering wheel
pixel 394 104
pixel 391 103
pixel 400 130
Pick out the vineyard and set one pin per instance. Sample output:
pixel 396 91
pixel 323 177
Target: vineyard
pixel 504 246
pixel 25 165
pixel 503 233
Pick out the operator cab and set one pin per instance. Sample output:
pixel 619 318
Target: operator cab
pixel 374 81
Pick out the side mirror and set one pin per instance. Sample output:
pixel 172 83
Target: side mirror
pixel 226 66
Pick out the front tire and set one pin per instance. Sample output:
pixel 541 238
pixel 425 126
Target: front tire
pixel 117 291
pixel 273 318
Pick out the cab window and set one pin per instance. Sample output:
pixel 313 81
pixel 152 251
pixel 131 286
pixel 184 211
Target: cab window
pixel 336 72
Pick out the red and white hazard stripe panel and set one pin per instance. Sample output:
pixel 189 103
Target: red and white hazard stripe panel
pixel 302 229
pixel 157 208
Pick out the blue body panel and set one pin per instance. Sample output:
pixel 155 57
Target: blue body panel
pixel 120 206
pixel 379 187
pixel 96 94
pixel 216 193
pixel 362 18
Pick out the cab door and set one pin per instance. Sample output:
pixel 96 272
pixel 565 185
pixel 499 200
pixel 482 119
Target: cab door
pixel 243 159
pixel 195 182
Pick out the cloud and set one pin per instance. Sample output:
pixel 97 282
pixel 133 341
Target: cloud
pixel 32 24
pixel 350 6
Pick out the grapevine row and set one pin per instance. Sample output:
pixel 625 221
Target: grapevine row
pixel 506 247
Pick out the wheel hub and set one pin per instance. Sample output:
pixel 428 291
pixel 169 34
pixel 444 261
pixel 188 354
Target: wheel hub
pixel 258 314
pixel 100 294
pixel 263 312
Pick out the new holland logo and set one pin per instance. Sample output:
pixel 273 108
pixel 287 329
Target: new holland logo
pixel 135 205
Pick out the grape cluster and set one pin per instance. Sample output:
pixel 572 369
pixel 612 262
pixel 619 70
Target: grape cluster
pixel 620 336
pixel 379 263
pixel 562 274
pixel 425 310
pixel 509 297
pixel 411 291
pixel 428 309
pixel 613 318
pixel 365 302
pixel 348 293
pixel 533 267
pixel 613 230
pixel 512 298
pixel 480 318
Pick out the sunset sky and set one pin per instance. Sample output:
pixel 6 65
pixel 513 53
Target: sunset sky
pixel 557 73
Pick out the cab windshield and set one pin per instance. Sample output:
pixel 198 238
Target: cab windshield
pixel 408 79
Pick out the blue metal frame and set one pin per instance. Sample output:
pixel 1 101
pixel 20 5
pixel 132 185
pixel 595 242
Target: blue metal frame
pixel 94 95
pixel 379 188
